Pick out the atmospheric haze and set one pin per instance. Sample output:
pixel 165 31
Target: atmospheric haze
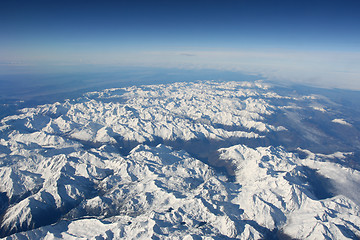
pixel 179 119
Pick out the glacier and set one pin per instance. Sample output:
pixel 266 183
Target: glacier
pixel 186 160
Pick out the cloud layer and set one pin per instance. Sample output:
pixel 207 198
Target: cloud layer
pixel 325 69
pixel 316 68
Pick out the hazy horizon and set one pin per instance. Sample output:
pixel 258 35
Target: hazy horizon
pixel 309 42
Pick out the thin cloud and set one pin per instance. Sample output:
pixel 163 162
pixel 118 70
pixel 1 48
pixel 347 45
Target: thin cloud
pixel 188 54
pixel 323 69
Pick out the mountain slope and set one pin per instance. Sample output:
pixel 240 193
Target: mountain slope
pixel 178 161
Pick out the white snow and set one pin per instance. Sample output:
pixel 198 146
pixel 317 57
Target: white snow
pixel 179 110
pixel 61 162
pixel 341 121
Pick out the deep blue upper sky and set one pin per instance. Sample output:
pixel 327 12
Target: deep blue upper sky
pixel 120 32
pixel 312 24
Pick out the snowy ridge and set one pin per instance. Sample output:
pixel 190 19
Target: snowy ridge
pixel 286 192
pixel 64 172
pixel 341 121
pixel 156 191
pixel 181 110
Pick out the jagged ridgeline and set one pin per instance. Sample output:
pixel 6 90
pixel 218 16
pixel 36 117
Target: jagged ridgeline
pixel 207 159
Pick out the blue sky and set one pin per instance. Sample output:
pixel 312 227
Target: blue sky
pixel 301 41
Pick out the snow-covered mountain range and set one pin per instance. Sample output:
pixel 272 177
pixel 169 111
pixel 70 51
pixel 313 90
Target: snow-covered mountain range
pixel 199 160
